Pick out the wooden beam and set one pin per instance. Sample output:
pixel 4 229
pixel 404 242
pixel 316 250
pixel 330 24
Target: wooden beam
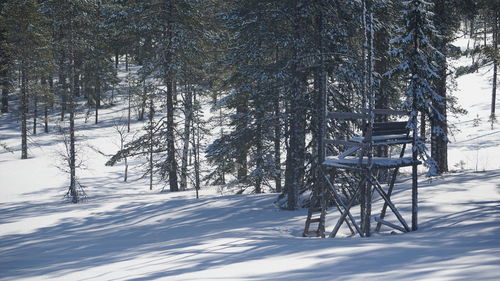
pixel 389 224
pixel 348 152
pixel 389 203
pixel 379 111
pixel 346 143
pixel 344 214
pixel 347 115
pixel 391 187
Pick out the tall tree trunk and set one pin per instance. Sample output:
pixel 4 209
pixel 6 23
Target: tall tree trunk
pixel 381 66
pixel 423 124
pixel 126 62
pixel 35 111
pixel 144 98
pixel 24 113
pixel 76 79
pixel 172 173
pixel 63 88
pixel 188 116
pixel 259 149
pixel 151 144
pixel 196 145
pixel 129 100
pixel 5 85
pixel 296 151
pixel 495 67
pixel 367 186
pixel 46 100
pixel 277 145
pixel 97 98
pixel 241 160
pixel 72 151
pixel 439 126
pixel 117 59
pixel 222 175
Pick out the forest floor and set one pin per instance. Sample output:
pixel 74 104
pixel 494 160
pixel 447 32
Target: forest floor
pixel 123 231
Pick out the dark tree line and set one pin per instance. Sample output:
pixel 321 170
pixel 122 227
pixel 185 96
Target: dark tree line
pixel 266 67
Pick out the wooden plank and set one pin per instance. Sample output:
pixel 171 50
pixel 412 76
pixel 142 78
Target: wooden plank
pixel 346 143
pixel 389 128
pixel 391 187
pixel 390 125
pixel 380 111
pixel 344 213
pixel 389 224
pixel 389 203
pixel 378 132
pixel 347 115
pixel 348 152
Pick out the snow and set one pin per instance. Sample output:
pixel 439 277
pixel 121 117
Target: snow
pixel 476 144
pixel 123 231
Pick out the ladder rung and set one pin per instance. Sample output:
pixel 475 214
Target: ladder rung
pixel 315 220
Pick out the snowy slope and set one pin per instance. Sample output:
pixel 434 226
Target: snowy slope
pixel 473 141
pixel 126 232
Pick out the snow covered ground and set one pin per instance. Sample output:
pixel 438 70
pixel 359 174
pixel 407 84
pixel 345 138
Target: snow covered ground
pixel 474 145
pixel 126 232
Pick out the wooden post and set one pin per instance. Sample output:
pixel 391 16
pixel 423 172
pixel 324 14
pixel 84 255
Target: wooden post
pixel 414 185
pixel 367 187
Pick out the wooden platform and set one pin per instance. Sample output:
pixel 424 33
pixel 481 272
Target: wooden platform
pixel 378 162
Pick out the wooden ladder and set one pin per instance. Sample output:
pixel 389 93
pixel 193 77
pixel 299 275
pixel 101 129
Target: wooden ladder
pixel 316 214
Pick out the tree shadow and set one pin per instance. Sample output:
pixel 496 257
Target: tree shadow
pixel 182 237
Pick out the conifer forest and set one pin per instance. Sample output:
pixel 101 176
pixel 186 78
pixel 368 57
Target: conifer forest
pixel 249 140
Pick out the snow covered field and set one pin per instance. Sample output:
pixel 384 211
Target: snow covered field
pixel 126 232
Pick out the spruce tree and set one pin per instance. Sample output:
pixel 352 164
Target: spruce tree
pixel 28 45
pixel 418 64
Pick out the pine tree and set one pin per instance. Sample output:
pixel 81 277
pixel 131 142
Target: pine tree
pixel 28 42
pixel 446 23
pixel 5 65
pixel 418 64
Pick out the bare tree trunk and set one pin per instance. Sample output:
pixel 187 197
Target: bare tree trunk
pixel 367 186
pixel 143 101
pixel 63 88
pixel 381 66
pixel 277 145
pixel 495 68
pixel 241 159
pixel 5 85
pixel 188 116
pixel 97 98
pixel 45 104
pixel 296 152
pixel 439 126
pixel 126 62
pixel 117 59
pixel 223 168
pixel 72 151
pixel 129 105
pixel 76 78
pixel 24 114
pixel 423 123
pixel 259 149
pixel 35 111
pixel 172 173
pixel 196 148
pixel 151 145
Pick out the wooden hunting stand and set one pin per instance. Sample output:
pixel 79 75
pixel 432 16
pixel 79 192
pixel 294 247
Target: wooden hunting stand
pixel 358 158
pixel 350 177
